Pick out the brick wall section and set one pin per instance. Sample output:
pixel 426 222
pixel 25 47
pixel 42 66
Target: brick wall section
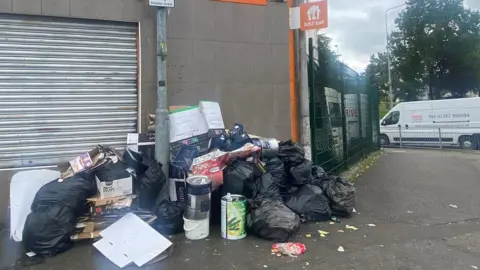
pixel 231 53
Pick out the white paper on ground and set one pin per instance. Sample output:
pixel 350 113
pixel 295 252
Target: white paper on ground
pixel 23 188
pixel 132 237
pixel 111 252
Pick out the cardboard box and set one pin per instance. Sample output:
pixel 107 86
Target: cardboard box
pixel 85 230
pixel 195 125
pixel 85 235
pixel 213 115
pixel 176 189
pixel 98 206
pixel 113 180
pixel 174 108
pixel 114 188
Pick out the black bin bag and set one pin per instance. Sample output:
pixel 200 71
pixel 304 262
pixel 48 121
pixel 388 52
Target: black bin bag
pixel 318 176
pixel 310 203
pixel 239 178
pixel 135 161
pixel 55 210
pixel 275 167
pixel 238 137
pixel 341 194
pixel 272 220
pixel 169 218
pixel 150 185
pixel 301 173
pixel 47 232
pixel 267 188
pixel 291 153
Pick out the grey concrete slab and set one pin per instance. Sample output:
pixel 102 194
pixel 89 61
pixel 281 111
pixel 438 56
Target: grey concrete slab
pixel 6 6
pixel 26 7
pixel 56 7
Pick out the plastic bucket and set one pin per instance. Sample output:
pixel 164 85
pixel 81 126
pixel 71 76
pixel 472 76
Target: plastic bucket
pixel 196 229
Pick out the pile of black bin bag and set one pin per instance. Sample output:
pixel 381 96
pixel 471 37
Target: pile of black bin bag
pixel 290 190
pixel 58 204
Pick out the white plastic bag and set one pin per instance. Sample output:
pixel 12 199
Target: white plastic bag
pixel 23 187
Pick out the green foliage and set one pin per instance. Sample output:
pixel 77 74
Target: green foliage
pixel 383 109
pixel 376 74
pixel 436 47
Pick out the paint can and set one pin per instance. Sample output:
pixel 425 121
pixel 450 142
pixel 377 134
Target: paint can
pixel 196 229
pixel 234 217
pixel 197 204
pixel 269 146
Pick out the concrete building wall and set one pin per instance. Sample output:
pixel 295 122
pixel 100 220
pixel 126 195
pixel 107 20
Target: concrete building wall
pixel 232 53
pixel 235 54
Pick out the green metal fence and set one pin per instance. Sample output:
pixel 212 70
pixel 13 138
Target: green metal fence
pixel 343 113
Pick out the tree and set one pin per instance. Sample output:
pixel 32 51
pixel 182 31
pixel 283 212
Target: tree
pixel 404 85
pixel 327 70
pixel 437 45
pixel 376 74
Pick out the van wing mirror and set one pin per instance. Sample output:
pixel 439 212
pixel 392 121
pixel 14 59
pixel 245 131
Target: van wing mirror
pixel 384 123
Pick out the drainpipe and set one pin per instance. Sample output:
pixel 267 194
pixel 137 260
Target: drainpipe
pixel 292 81
pixel 302 75
pixel 162 133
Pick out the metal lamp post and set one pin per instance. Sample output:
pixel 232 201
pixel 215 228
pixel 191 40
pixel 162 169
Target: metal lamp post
pixel 390 88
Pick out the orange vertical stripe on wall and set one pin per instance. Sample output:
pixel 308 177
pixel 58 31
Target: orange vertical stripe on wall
pixel 251 2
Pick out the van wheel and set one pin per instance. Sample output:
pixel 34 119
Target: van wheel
pixel 384 139
pixel 466 142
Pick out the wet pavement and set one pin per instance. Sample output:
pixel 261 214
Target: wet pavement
pixel 409 195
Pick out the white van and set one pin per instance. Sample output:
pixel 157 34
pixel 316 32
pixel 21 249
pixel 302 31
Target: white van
pixel 424 122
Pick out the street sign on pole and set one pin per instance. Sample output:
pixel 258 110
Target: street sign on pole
pixel 162 3
pixel 309 16
pixel 313 16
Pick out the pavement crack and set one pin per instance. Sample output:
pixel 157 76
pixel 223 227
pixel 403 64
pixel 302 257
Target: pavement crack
pixel 466 251
pixel 454 222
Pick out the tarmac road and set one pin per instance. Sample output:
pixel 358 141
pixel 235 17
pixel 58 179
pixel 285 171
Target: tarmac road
pixel 424 205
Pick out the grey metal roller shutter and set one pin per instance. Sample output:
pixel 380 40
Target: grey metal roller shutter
pixel 65 86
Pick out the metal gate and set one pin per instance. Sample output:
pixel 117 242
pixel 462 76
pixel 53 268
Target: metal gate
pixel 65 86
pixel 343 115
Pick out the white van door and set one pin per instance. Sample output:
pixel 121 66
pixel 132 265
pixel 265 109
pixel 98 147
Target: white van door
pixel 389 128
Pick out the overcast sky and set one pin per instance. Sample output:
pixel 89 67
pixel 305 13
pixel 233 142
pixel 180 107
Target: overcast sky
pixel 357 27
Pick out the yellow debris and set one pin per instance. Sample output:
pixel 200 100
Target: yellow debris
pixel 348 227
pixel 323 233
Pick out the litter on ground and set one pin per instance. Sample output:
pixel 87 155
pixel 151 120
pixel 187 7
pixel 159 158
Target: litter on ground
pixel 323 233
pixel 289 249
pixel 353 228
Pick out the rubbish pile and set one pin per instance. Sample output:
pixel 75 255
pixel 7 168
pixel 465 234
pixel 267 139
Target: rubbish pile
pixel 245 183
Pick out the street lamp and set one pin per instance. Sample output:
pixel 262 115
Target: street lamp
pixel 390 90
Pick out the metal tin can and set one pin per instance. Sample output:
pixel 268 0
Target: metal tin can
pixel 197 205
pixel 234 217
pixel 269 146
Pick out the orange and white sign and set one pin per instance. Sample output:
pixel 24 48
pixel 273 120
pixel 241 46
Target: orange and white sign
pixel 313 16
pixel 309 16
